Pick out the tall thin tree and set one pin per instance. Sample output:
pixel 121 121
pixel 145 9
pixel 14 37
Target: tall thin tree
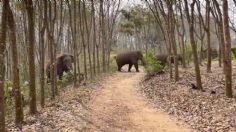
pixel 15 67
pixel 2 61
pixel 31 54
pixel 227 48
pixel 190 17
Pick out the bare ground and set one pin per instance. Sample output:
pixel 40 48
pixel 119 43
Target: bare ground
pixel 119 107
pixel 110 106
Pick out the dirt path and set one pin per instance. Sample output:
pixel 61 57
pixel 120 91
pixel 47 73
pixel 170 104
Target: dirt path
pixel 119 107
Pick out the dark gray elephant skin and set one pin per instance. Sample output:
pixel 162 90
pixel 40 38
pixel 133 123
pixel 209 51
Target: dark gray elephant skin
pixel 63 64
pixel 163 59
pixel 131 58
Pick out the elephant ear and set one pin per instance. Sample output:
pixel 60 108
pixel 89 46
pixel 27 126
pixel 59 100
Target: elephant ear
pixel 60 59
pixel 68 59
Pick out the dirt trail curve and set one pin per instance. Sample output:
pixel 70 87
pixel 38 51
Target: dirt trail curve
pixel 119 107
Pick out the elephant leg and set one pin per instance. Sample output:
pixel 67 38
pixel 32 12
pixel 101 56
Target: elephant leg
pixel 119 68
pixel 60 77
pixel 130 66
pixel 60 74
pixel 136 66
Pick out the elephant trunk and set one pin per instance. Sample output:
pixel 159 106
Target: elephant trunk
pixel 143 62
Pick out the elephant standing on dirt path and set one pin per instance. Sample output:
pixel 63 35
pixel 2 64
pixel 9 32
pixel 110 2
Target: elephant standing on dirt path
pixel 130 58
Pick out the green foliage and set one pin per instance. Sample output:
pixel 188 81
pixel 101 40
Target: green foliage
pixel 7 88
pixel 126 14
pixel 66 79
pixel 134 19
pixel 232 56
pixel 233 52
pixel 8 97
pixel 188 51
pixel 25 90
pixel 152 65
pixel 19 6
pixel 113 66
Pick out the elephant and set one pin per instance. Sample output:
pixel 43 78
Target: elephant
pixel 63 64
pixel 163 58
pixel 130 58
pixel 214 54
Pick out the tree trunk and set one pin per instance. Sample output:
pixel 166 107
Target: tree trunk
pixel 172 39
pixel 192 40
pixel 82 31
pixel 51 50
pixel 227 62
pixel 183 51
pixel 219 19
pixel 169 47
pixel 182 34
pixel 88 39
pixel 52 30
pixel 75 43
pixel 42 54
pixel 2 61
pixel 31 51
pixel 208 8
pixel 94 38
pixel 15 66
pixel 102 29
pixel 217 28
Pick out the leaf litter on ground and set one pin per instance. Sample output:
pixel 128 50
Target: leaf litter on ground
pixel 68 112
pixel 205 111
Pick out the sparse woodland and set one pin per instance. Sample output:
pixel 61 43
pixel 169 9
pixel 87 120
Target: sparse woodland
pixel 197 36
pixel 35 32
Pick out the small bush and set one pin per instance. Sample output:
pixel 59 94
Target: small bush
pixel 8 94
pixel 152 65
pixel 188 52
pixel 233 57
pixel 233 52
pixel 25 91
pixel 65 80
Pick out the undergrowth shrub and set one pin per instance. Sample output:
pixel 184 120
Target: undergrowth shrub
pixel 152 64
pixel 233 52
pixel 188 52
pixel 8 94
pixel 66 79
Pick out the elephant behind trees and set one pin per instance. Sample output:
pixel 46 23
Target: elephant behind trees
pixel 130 58
pixel 163 58
pixel 214 54
pixel 63 64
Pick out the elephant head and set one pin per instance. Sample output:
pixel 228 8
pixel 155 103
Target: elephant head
pixel 63 63
pixel 140 57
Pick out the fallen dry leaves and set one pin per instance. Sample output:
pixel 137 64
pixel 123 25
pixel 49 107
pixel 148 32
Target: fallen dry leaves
pixel 208 111
pixel 67 113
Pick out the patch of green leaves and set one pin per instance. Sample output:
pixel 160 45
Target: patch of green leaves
pixel 233 52
pixel 66 79
pixel 152 64
pixel 8 88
